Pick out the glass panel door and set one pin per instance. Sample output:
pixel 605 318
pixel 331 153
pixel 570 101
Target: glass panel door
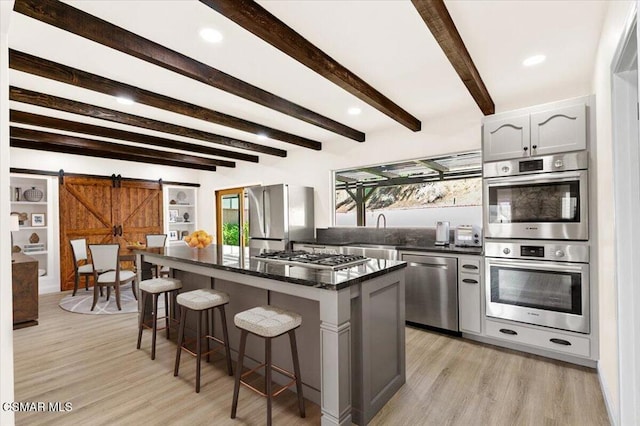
pixel 231 217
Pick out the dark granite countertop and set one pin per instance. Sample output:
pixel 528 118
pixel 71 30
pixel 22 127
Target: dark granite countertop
pixel 232 259
pixel 477 251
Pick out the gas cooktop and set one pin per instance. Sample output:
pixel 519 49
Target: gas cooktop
pixel 312 260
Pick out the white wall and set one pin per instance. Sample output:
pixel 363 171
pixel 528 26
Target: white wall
pixel 608 367
pixel 6 308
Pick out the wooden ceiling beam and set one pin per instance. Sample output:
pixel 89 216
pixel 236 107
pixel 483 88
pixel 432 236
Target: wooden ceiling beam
pixel 257 20
pixel 67 105
pixel 434 13
pixel 36 139
pixel 68 18
pixel 44 68
pixel 107 132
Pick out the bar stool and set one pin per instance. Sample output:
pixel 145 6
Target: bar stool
pixel 155 287
pixel 267 322
pixel 202 300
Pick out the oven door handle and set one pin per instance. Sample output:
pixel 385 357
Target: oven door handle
pixel 538 265
pixel 535 178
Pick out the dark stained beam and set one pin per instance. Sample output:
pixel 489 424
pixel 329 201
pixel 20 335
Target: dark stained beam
pixel 90 129
pixel 257 20
pixel 88 110
pixel 35 139
pixel 435 14
pixel 75 21
pixel 44 68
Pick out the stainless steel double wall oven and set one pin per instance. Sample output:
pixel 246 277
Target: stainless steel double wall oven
pixel 536 250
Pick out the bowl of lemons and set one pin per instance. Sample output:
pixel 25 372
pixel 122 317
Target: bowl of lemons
pixel 198 239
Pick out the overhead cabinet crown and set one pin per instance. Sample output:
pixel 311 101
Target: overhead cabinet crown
pixel 536 132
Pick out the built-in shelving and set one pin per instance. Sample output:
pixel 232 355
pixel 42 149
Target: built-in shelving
pixel 46 230
pixel 180 212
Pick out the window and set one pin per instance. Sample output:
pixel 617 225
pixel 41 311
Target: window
pixel 414 193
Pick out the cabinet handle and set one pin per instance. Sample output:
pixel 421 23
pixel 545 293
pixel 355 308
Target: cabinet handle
pixel 560 342
pixel 114 231
pixel 526 148
pixel 509 332
pixel 534 146
pixel 469 281
pixel 120 230
pixel 469 266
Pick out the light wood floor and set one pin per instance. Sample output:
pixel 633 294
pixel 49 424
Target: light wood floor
pixel 91 361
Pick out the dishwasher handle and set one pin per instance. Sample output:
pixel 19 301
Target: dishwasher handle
pixel 428 265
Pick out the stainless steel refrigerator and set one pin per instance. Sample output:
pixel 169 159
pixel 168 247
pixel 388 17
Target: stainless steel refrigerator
pixel 279 214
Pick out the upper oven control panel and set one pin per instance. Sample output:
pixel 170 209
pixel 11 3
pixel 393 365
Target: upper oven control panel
pixel 546 164
pixel 559 251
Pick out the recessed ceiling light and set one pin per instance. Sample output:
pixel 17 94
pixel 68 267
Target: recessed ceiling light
pixel 354 111
pixel 534 60
pixel 211 35
pixel 262 137
pixel 125 101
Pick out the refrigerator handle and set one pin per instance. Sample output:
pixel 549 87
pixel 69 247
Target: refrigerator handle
pixel 264 214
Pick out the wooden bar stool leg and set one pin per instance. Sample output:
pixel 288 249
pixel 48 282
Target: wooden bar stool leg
pixel 141 319
pixel 183 320
pixel 209 320
pixel 198 350
pixel 166 312
pixel 267 376
pixel 95 296
pixel 225 335
pixel 154 325
pixel 296 371
pixel 236 386
pixel 86 282
pixel 117 291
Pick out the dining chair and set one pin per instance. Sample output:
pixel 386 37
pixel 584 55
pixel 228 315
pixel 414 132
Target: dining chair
pixel 107 272
pixel 158 240
pixel 81 266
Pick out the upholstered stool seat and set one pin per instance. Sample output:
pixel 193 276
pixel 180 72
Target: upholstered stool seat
pixel 201 301
pixel 267 322
pixel 155 287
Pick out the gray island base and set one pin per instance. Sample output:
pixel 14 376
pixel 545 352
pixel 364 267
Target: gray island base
pixel 352 340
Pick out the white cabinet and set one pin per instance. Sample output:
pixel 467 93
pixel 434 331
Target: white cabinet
pixel 470 294
pixel 38 234
pixel 542 130
pixel 180 217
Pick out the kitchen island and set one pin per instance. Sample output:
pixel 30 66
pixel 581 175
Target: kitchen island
pixel 351 343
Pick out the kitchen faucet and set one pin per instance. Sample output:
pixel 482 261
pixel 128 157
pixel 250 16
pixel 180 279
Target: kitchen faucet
pixel 381 216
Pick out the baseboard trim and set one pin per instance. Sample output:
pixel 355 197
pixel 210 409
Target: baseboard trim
pixel 607 398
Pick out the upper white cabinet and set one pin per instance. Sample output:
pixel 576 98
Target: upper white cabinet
pixel 180 211
pixel 542 130
pixel 34 199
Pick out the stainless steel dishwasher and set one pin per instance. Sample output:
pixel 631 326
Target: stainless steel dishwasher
pixel 431 290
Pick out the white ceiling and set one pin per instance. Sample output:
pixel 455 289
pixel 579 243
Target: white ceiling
pixel 384 42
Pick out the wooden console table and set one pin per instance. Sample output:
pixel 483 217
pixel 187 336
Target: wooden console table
pixel 25 290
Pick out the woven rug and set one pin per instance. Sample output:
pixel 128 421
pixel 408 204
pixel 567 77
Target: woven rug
pixel 82 301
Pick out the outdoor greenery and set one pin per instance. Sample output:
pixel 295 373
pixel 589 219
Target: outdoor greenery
pixel 231 234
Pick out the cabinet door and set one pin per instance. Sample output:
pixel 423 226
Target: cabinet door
pixel 559 130
pixel 505 138
pixel 469 302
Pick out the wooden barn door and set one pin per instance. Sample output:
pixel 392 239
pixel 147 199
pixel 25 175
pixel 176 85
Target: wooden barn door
pixel 105 210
